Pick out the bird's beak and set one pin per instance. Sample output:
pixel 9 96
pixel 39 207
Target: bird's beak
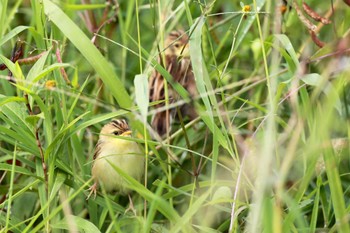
pixel 126 133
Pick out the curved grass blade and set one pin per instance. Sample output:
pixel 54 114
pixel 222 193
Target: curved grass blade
pixel 89 51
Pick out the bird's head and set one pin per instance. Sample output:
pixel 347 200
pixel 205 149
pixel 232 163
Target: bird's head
pixel 117 127
pixel 177 44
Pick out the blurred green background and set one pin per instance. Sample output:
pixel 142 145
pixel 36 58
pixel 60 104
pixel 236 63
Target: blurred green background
pixel 268 151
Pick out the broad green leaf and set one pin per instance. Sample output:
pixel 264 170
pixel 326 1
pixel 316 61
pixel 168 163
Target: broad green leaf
pixel 13 67
pixel 198 65
pixel 16 113
pixel 83 225
pixel 141 94
pixel 312 79
pixel 33 119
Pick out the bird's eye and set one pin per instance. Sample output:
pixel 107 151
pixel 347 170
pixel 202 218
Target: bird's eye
pixel 177 45
pixel 116 133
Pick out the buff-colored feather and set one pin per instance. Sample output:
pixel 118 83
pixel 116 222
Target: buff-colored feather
pixel 124 154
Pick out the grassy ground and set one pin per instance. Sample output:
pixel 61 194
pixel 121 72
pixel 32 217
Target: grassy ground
pixel 269 151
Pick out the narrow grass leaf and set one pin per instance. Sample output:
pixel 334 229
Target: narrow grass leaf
pixel 81 7
pixel 53 212
pixel 199 68
pixel 89 51
pixel 18 169
pixel 336 191
pixel 37 68
pixel 14 32
pixel 287 45
pixel 15 224
pixel 4 100
pixel 153 207
pixel 204 86
pixel 59 181
pixel 48 69
pixel 315 209
pixel 10 192
pixel 57 141
pixel 3 16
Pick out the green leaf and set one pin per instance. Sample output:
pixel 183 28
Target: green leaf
pixel 82 224
pixel 317 80
pixel 198 65
pixel 48 69
pixel 37 68
pixel 60 179
pixel 9 99
pixel 162 206
pixel 16 113
pixel 33 119
pixel 57 140
pixel 19 170
pixel 336 190
pixel 13 67
pixel 204 86
pixel 12 34
pixel 80 7
pixel 89 51
pixel 287 45
pixel 141 94
pixel 312 79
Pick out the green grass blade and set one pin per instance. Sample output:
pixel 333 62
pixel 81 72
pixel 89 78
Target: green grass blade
pixel 89 51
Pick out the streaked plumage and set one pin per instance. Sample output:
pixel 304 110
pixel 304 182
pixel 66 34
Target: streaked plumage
pixel 124 154
pixel 178 64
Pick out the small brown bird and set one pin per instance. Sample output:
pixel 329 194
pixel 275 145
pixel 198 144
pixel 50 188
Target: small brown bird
pixel 124 154
pixel 178 64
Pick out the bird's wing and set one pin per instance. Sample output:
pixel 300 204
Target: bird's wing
pixel 97 149
pixel 156 84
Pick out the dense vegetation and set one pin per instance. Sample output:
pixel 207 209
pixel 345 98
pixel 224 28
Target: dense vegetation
pixel 268 152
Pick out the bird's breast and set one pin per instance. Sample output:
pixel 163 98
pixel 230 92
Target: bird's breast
pixel 123 154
